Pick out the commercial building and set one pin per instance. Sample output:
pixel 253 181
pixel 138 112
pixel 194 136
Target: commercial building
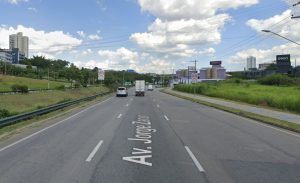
pixel 251 63
pixel 17 56
pixel 13 56
pixel 19 41
pixel 284 65
pixel 264 66
pixel 216 72
pixel 5 55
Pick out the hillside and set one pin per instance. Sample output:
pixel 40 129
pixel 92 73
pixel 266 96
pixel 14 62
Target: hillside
pixel 34 84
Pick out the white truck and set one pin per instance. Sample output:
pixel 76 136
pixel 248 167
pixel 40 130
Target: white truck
pixel 140 88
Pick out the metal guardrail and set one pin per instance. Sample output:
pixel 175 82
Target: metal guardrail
pixel 28 115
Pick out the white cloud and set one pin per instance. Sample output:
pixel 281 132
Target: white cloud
pixel 94 37
pixel 123 59
pixel 81 34
pixel 208 52
pixel 17 1
pixel 179 36
pixel 265 55
pixel 92 64
pixel 190 9
pixel 32 9
pixel 182 25
pixel 41 42
pixel 88 51
pixel 288 28
pixel 120 59
pixel 157 66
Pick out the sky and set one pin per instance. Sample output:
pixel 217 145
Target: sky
pixel 157 36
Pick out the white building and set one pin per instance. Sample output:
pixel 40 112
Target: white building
pixel 251 63
pixel 19 41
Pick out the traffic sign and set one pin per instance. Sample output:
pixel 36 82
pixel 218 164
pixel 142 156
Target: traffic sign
pixel 101 74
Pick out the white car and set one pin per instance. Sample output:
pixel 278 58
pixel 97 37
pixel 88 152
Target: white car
pixel 122 92
pixel 150 88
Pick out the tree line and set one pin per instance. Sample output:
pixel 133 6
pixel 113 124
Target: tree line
pixel 39 67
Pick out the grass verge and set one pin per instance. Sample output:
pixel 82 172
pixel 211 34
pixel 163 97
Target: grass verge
pixel 17 128
pixel 34 84
pixel 271 121
pixel 20 103
pixel 286 98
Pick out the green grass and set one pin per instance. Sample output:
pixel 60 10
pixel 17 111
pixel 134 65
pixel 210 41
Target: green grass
pixel 20 103
pixel 36 122
pixel 271 121
pixel 284 98
pixel 34 84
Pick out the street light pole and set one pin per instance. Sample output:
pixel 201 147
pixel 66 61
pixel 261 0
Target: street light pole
pixel 268 31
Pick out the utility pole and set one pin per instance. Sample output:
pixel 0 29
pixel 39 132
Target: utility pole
pixel 163 79
pixel 4 68
pixel 195 61
pixel 188 75
pixel 123 78
pixel 48 79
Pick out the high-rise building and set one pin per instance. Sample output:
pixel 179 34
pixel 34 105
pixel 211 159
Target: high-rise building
pixel 19 41
pixel 251 63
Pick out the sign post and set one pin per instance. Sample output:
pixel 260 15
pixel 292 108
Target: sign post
pixel 101 75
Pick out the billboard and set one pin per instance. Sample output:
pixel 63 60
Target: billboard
pixel 192 68
pixel 216 63
pixel 283 63
pixel 101 74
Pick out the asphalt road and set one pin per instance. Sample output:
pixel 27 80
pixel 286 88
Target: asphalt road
pixel 156 138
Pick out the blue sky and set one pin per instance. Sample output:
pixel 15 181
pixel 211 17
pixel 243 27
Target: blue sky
pixel 150 36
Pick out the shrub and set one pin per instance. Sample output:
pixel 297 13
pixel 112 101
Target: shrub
pixel 277 80
pixel 64 100
pixel 234 80
pixel 19 88
pixel 24 89
pixel 60 87
pixel 76 85
pixel 4 113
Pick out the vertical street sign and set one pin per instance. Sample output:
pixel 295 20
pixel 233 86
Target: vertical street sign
pixel 194 77
pixel 101 74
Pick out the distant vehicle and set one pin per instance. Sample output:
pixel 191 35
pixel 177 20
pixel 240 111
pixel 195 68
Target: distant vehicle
pixel 150 87
pixel 122 92
pixel 140 88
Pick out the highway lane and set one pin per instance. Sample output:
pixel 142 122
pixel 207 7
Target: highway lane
pixel 59 154
pixel 165 158
pixel 232 148
pixel 156 138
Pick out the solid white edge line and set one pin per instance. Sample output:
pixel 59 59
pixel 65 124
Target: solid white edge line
pixel 259 123
pixel 92 154
pixel 120 115
pixel 38 132
pixel 166 117
pixel 196 162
